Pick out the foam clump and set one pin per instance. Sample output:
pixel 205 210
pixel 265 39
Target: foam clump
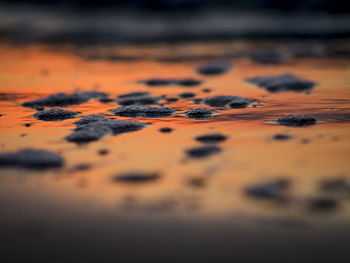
pixel 94 127
pixel 211 138
pixel 143 111
pixel 63 99
pixel 55 114
pixel 199 113
pixel 214 68
pixel 202 151
pixel 31 158
pixel 231 101
pixel 296 120
pixel 282 82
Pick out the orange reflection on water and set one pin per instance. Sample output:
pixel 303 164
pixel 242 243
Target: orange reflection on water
pixel 249 155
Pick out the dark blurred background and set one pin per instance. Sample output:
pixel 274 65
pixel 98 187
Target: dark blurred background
pixel 107 21
pixel 336 6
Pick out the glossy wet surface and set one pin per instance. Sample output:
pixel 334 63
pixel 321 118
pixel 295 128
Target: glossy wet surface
pixel 163 188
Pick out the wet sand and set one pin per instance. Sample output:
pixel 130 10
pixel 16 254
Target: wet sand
pixel 197 209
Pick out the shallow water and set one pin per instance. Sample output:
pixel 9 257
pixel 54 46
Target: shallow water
pixel 192 195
